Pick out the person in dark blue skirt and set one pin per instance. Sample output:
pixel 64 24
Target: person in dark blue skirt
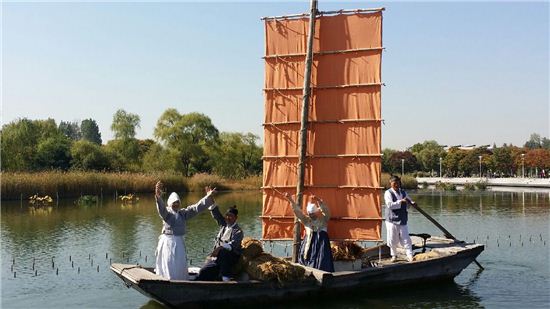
pixel 315 249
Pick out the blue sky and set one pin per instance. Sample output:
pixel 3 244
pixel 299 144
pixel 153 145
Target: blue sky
pixel 456 72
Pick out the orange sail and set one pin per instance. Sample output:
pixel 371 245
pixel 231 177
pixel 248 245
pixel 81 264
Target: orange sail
pixel 344 128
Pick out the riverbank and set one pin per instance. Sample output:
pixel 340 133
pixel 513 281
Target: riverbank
pixel 15 186
pixel 491 182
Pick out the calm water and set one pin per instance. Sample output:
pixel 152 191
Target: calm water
pixel 515 227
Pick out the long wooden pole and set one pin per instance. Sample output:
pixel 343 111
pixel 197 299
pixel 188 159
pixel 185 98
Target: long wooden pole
pixel 440 227
pixel 303 127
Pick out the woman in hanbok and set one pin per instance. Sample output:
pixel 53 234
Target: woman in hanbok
pixel 171 253
pixel 315 249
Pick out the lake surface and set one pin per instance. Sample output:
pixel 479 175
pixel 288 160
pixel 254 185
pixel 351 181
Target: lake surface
pixel 72 246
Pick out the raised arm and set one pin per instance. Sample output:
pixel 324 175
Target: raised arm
pixel 324 208
pixel 217 215
pixel 167 216
pixel 297 210
pixel 193 210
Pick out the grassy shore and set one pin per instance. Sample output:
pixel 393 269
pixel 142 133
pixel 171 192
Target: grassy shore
pixel 15 186
pixel 74 184
pixel 407 181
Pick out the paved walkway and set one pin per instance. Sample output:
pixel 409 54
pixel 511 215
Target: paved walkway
pixel 495 182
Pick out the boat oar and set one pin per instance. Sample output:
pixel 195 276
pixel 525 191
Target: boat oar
pixel 439 226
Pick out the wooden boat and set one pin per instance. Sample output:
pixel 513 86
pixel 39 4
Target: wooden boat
pixel 453 257
pixel 330 147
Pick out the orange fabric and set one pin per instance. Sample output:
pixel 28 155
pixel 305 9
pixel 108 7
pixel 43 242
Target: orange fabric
pixel 338 32
pixel 328 104
pixel 324 139
pixel 349 185
pixel 329 70
pixel 355 171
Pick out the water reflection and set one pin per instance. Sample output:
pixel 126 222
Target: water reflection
pixel 441 295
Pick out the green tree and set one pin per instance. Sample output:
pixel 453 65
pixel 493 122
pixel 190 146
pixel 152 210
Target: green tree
pixel 534 142
pixel 125 153
pixel 238 155
pixel 90 131
pixel 502 160
pixel 159 159
pixel 70 130
pixel 87 155
pixel 124 150
pixel 192 135
pixel 428 154
pixel 124 125
pixel 451 161
pixel 386 156
pixel 54 153
pixel 403 160
pixel 18 145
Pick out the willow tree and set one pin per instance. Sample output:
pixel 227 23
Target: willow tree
pixel 192 135
pixel 124 128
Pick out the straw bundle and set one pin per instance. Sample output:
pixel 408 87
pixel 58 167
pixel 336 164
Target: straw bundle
pixel 345 250
pixel 426 256
pixel 264 266
pixel 251 248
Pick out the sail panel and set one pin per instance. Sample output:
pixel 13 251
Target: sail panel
pixel 324 139
pixel 344 69
pixel 344 135
pixel 347 103
pixel 327 172
pixel 355 31
pixel 337 32
pixel 358 201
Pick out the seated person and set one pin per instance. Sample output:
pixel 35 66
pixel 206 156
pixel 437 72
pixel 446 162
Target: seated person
pixel 227 247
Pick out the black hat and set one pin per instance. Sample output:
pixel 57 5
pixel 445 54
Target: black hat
pixel 394 178
pixel 232 210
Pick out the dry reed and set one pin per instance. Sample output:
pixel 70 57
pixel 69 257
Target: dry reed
pixel 76 183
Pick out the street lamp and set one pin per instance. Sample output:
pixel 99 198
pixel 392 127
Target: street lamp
pixel 522 165
pixel 440 174
pixel 480 166
pixel 402 167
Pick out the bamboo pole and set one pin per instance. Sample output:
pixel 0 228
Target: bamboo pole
pixel 303 128
pixel 440 227
pixel 322 122
pixel 329 52
pixel 358 155
pixel 352 11
pixel 327 87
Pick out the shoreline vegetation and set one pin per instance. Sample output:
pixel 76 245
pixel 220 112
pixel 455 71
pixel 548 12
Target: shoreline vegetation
pixel 60 185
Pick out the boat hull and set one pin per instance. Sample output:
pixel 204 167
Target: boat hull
pixel 188 293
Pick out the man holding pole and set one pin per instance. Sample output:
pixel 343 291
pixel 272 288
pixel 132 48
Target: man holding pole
pixel 396 216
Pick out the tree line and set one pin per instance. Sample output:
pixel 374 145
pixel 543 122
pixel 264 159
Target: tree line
pixel 427 158
pixel 190 144
pixel 187 144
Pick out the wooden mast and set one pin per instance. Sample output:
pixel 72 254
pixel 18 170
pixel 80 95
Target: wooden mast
pixel 303 128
